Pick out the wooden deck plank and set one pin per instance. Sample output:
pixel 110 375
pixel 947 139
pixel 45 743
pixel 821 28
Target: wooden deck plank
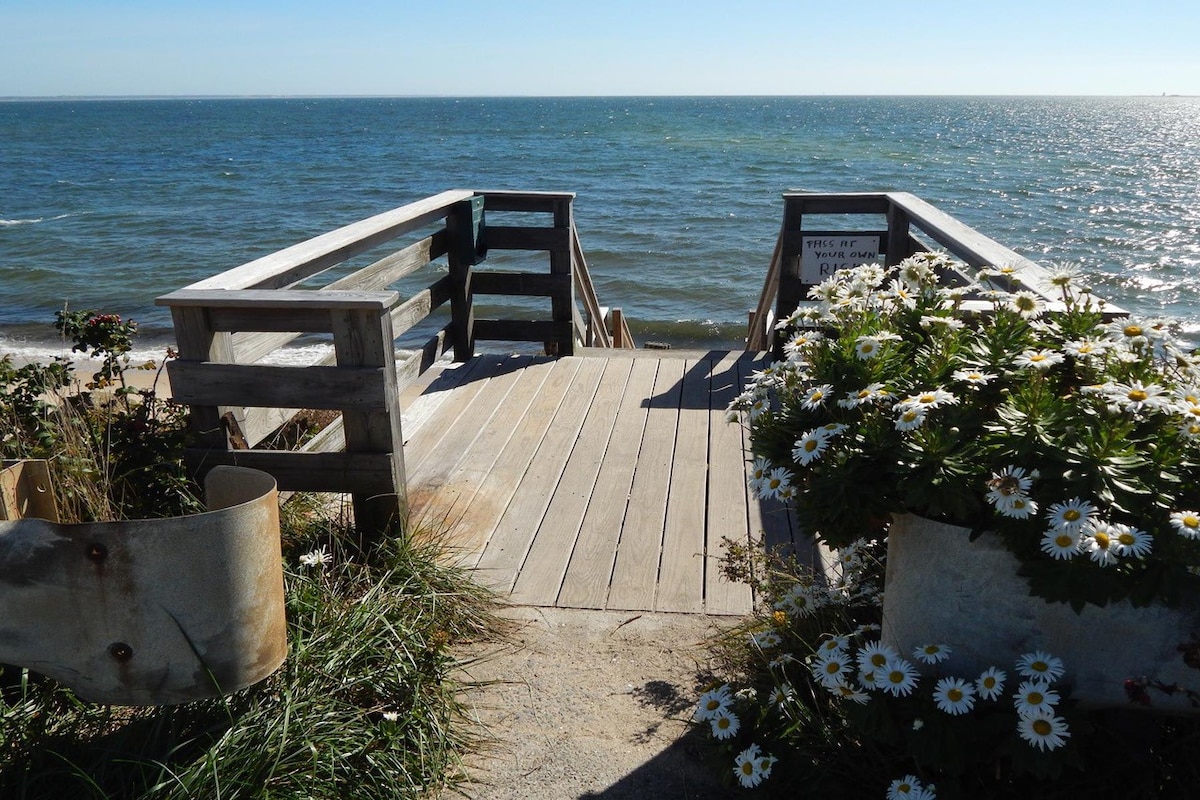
pixel 586 582
pixel 541 575
pixel 681 579
pixel 431 473
pixel 498 487
pixel 512 537
pixel 727 502
pixel 467 382
pixel 639 553
pixel 451 493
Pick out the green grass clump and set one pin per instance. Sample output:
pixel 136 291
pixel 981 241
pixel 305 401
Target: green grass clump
pixel 363 707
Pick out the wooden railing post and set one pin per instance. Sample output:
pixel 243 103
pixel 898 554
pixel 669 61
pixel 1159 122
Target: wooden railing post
pixel 791 291
pixel 899 239
pixel 363 338
pixel 196 340
pixel 464 227
pixel 562 303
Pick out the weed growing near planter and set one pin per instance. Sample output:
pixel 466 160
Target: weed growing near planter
pixel 363 707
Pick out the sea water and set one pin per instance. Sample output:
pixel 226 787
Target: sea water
pixel 106 204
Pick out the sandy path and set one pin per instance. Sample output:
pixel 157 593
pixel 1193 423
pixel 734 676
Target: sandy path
pixel 593 704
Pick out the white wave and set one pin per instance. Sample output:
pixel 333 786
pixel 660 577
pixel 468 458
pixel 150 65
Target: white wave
pixel 32 221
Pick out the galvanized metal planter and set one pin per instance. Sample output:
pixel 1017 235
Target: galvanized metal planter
pixel 943 588
pixel 150 612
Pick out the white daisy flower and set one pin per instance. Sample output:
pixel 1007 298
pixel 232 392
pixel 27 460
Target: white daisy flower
pixel 869 677
pixel 866 347
pixel 752 766
pixel 319 558
pixel 990 684
pixel 724 723
pixel 909 419
pixel 1027 304
pixel 1190 429
pixel 758 474
pixel 767 639
pixel 845 691
pixel 1132 333
pixel 973 377
pixel 1007 482
pixel 1061 544
pixel 1040 360
pixel 1062 274
pixel 1017 506
pixel 939 323
pixel 899 678
pixel 1043 731
pixel 816 396
pixel 1086 348
pixel 1133 542
pixel 931 653
pixel 930 398
pixel 906 788
pixel 808 448
pixel 1136 397
pixel 954 696
pixel 1100 542
pixel 834 644
pixel 877 655
pixel 1186 523
pixel 1040 665
pixel 831 668
pixel 1035 697
pixel 713 701
pixel 1071 516
pixel 774 482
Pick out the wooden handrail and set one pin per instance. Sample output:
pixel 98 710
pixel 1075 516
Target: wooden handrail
pixel 904 211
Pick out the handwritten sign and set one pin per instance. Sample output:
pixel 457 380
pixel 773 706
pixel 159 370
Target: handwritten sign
pixel 821 256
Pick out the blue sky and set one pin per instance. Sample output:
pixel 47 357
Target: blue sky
pixel 602 47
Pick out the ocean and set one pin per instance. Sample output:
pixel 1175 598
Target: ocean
pixel 106 204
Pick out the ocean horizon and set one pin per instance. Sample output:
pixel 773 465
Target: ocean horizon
pixel 108 203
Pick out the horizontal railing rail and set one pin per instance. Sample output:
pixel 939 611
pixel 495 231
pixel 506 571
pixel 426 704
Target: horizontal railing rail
pixel 910 221
pixel 227 324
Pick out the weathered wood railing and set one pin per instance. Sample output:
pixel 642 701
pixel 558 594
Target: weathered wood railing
pixel 226 325
pixel 910 221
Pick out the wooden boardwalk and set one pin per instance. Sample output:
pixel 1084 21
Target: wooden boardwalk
pixel 596 481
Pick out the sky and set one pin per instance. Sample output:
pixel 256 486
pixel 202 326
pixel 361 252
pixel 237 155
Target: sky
pixel 53 48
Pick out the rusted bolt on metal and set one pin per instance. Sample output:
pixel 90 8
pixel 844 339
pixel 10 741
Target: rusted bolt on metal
pixel 97 552
pixel 120 651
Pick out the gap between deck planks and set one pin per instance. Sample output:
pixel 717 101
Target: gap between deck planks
pixel 591 482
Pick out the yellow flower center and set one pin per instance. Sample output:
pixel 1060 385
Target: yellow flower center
pixel 723 722
pixel 909 416
pixel 1025 303
pixel 878 659
pixel 810 445
pixel 925 399
pixel 896 676
pixel 713 704
pixel 833 668
pixel 1103 540
pixel 1042 727
pixel 1034 698
pixel 867 347
pixel 955 694
pixel 1132 330
pixel 864 394
pixel 1191 521
pixel 1072 514
pixel 1138 395
pixel 989 682
pixel 747 767
pixel 1126 539
pixel 1037 357
pixel 1039 666
pixel 1062 540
